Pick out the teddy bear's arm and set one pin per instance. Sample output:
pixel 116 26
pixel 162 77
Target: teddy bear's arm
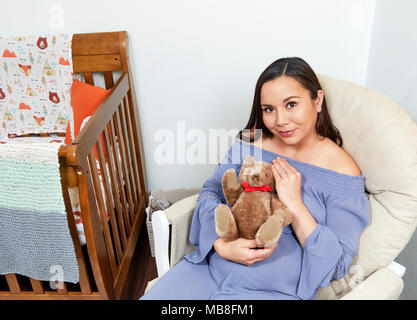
pixel 231 187
pixel 278 208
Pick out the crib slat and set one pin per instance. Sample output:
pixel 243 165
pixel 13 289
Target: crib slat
pixel 88 77
pixel 132 149
pixel 116 152
pixel 125 159
pixel 13 284
pixel 127 141
pixel 37 286
pixel 102 210
pixel 138 140
pixel 108 79
pixel 114 185
pixel 109 202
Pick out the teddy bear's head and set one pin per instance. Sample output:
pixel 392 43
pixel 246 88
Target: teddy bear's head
pixel 256 173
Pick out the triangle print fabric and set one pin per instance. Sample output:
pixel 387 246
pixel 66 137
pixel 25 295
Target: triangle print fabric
pixel 35 84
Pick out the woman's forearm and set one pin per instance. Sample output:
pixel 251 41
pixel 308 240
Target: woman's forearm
pixel 303 223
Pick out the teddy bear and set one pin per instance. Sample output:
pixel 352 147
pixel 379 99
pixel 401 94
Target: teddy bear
pixel 256 211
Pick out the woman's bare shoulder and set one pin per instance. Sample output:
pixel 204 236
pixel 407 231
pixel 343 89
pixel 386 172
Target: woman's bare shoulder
pixel 337 159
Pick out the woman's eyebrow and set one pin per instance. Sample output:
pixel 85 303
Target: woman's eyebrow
pixel 289 98
pixel 269 105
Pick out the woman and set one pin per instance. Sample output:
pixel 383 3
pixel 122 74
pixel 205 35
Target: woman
pixel 315 178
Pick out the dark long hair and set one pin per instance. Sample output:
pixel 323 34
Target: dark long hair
pixel 301 71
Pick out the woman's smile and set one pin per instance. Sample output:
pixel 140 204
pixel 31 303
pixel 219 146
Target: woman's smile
pixel 287 134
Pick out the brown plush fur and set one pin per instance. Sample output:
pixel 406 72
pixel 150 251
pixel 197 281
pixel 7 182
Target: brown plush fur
pixel 255 215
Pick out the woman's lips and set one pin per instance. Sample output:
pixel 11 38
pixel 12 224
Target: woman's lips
pixel 287 133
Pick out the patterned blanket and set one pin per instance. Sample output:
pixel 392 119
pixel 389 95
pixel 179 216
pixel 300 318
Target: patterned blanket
pixel 35 84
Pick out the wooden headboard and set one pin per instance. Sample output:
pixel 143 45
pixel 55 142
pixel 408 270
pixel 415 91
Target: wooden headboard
pixel 100 52
pixel 95 52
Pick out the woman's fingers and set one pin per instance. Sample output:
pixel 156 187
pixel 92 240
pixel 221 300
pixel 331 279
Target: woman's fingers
pixel 247 251
pixel 277 176
pixel 288 167
pixel 250 244
pixel 280 168
pixel 261 254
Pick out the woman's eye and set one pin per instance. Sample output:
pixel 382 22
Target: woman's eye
pixel 294 103
pixel 268 109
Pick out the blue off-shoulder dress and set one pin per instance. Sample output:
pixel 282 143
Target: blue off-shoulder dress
pixel 340 206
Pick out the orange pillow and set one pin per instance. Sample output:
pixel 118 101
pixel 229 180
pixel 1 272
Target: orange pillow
pixel 85 99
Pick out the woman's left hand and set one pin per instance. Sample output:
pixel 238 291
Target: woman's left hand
pixel 287 183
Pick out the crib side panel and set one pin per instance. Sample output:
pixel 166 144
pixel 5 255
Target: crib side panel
pixel 110 176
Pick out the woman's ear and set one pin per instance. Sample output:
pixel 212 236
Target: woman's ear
pixel 318 102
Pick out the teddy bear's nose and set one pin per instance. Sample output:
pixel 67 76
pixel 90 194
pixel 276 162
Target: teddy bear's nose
pixel 256 176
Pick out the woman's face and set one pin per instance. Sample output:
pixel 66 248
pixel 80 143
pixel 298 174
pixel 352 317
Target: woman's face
pixel 287 106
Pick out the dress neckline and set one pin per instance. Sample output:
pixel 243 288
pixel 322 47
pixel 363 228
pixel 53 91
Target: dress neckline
pixel 305 164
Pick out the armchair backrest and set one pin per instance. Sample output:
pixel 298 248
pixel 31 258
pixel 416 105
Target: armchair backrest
pixel 382 138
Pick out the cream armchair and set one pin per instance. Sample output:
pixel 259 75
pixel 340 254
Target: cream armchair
pixel 382 138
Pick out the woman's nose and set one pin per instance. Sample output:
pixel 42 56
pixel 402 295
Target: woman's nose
pixel 281 118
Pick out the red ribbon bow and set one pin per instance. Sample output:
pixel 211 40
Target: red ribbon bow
pixel 248 188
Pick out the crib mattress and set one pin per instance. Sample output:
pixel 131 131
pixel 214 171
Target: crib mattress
pixel 73 192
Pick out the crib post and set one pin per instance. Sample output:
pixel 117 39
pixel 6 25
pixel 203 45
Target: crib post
pixel 95 240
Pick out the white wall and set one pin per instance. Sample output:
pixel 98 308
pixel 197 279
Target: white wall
pixel 198 61
pixel 392 66
pixel 392 69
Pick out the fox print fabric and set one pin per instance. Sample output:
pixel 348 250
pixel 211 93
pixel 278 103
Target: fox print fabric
pixel 35 81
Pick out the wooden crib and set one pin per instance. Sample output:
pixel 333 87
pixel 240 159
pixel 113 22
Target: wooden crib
pixel 110 240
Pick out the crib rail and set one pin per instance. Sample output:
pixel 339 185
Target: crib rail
pixel 113 220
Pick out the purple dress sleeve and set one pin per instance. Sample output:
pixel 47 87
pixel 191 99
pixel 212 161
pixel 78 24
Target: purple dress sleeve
pixel 203 231
pixel 331 247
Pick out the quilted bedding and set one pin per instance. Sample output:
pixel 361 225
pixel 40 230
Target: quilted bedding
pixel 73 192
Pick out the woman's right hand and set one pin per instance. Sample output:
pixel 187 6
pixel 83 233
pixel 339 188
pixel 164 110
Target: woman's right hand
pixel 241 250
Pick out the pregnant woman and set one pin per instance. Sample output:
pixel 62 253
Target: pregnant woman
pixel 315 178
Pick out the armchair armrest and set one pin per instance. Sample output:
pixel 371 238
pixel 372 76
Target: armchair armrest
pixel 384 284
pixel 161 234
pixel 171 228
